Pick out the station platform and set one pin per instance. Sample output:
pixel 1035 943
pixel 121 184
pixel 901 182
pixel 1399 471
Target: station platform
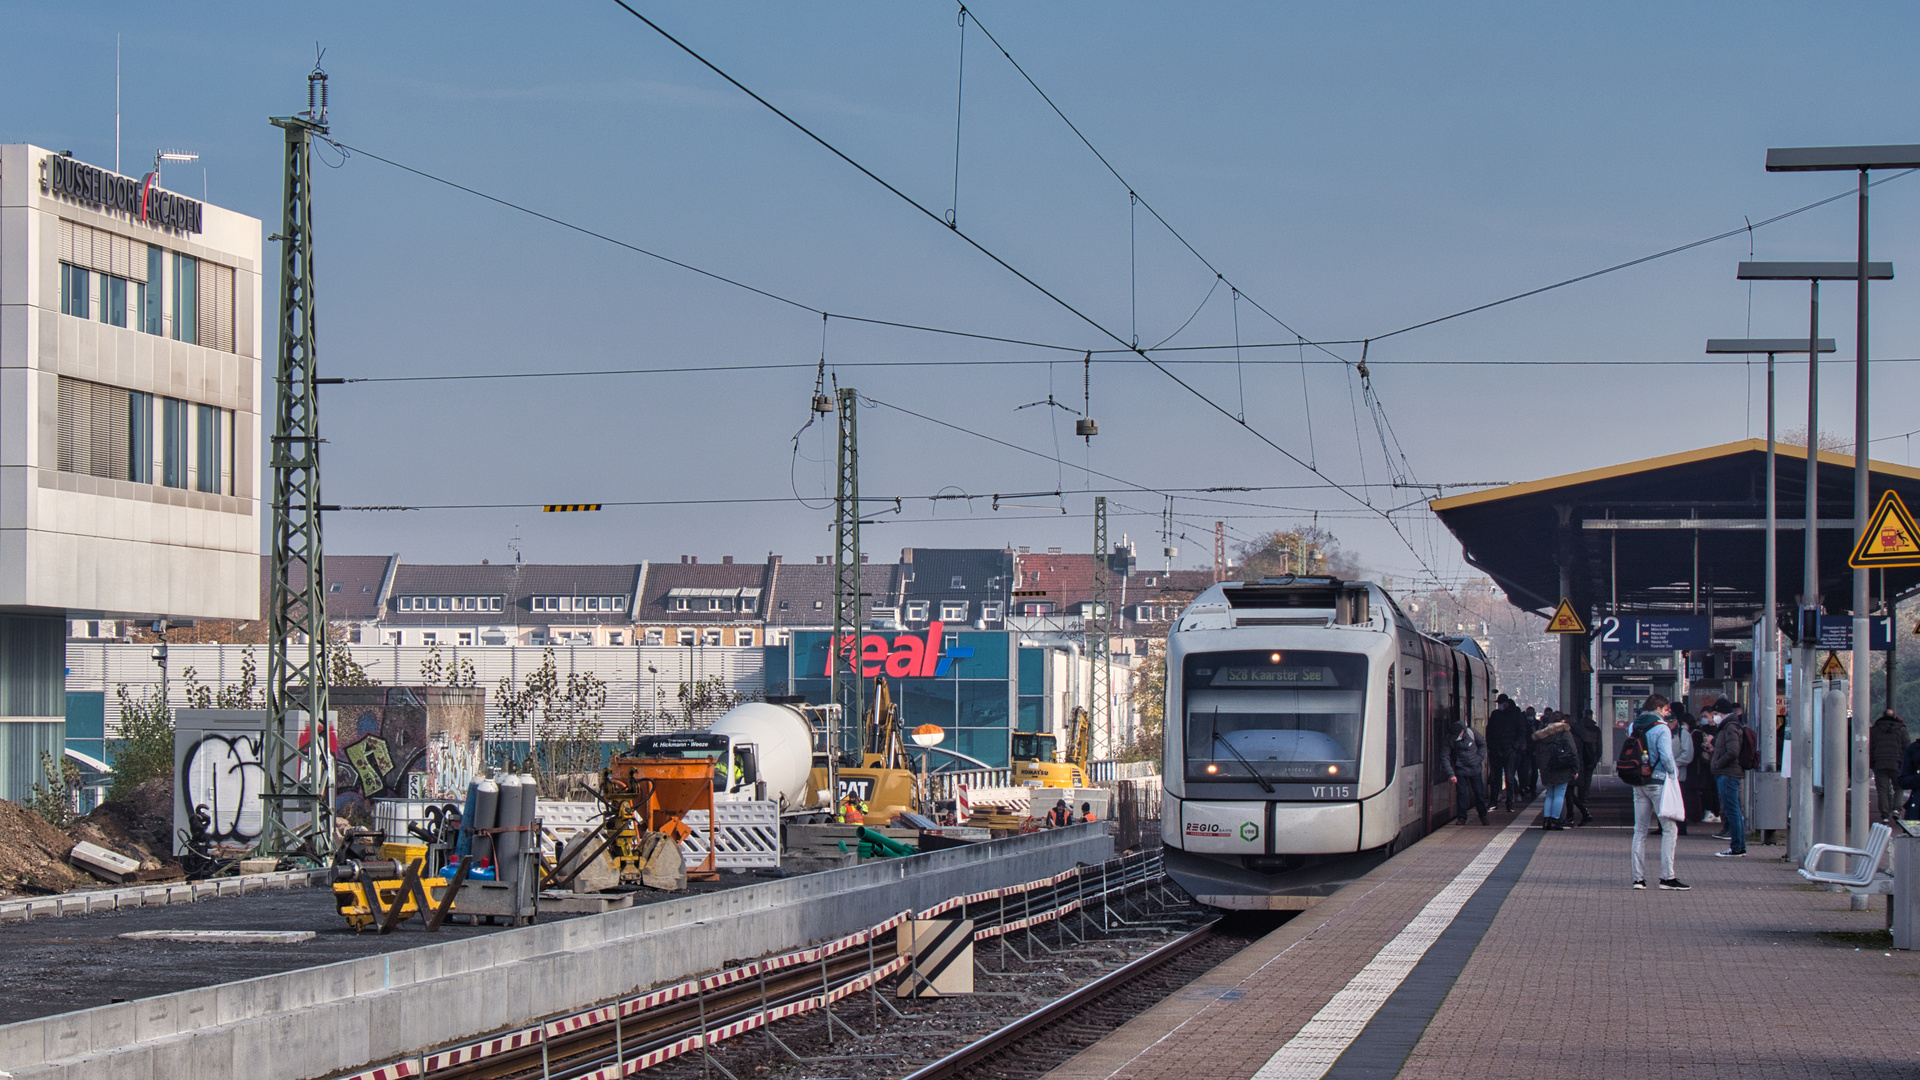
pixel 1508 951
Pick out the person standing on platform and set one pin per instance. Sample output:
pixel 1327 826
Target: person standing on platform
pixel 1557 757
pixel 1910 779
pixel 1729 773
pixel 1886 747
pixel 1503 734
pixel 1683 754
pixel 1651 727
pixel 1527 773
pixel 1465 759
pixel 1701 776
pixel 1586 733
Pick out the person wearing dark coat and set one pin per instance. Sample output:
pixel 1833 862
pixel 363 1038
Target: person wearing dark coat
pixel 1503 739
pixel 1910 779
pixel 1557 757
pixel 1465 760
pixel 1886 746
pixel 1586 732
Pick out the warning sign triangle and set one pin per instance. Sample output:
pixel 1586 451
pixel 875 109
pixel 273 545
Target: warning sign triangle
pixel 1564 621
pixel 1891 538
pixel 1833 668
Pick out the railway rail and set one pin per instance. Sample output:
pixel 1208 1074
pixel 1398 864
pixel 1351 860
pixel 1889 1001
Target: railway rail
pixel 624 1037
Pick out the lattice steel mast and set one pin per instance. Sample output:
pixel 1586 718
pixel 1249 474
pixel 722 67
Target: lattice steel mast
pixel 1097 624
pixel 298 791
pixel 846 568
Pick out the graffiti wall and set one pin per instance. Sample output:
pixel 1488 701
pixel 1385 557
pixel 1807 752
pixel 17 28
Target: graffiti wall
pixel 403 742
pixel 217 772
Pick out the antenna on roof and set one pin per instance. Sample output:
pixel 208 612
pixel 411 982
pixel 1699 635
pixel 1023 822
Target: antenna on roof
pixel 513 545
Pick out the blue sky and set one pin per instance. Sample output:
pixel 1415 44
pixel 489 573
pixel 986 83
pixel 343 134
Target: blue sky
pixel 1352 168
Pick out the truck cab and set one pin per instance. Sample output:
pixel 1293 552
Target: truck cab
pixel 736 766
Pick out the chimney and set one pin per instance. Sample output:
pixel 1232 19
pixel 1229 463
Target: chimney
pixel 1026 551
pixel 819 560
pixel 683 560
pixel 726 560
pixel 863 557
pixel 772 558
pixel 906 555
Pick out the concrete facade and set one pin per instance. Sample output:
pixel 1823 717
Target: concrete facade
pixel 81 543
pixel 340 1017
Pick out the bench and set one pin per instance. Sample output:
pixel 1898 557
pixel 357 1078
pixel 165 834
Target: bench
pixel 1860 873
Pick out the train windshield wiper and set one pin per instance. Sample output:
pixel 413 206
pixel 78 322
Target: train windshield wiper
pixel 1264 783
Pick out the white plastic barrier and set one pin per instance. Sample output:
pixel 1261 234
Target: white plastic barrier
pixel 562 821
pixel 747 834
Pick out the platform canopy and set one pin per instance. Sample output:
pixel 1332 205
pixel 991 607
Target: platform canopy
pixel 1680 533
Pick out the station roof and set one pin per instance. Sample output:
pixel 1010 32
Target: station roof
pixel 1680 532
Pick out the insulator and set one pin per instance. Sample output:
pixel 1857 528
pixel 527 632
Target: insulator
pixel 822 404
pixel 1086 427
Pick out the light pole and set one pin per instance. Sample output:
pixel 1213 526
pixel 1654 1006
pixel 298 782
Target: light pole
pixel 1767 666
pixel 1861 160
pixel 1807 626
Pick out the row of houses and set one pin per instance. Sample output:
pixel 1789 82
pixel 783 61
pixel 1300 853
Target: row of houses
pixel 385 600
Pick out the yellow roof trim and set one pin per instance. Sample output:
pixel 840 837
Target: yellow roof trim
pixel 1667 461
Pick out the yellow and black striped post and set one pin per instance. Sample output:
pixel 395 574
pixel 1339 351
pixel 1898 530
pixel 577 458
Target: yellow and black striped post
pixel 568 508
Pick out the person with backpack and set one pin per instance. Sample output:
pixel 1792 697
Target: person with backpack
pixel 1735 750
pixel 1646 764
pixel 1886 746
pixel 1557 757
pixel 1586 732
pixel 1465 759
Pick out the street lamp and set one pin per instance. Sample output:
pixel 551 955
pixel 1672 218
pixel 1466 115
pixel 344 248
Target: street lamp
pixel 1861 160
pixel 1768 668
pixel 1807 628
pixel 927 736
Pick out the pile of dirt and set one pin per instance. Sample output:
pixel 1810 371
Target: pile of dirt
pixel 33 854
pixel 139 826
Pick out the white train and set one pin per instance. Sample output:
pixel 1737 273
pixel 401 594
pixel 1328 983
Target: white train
pixel 1304 718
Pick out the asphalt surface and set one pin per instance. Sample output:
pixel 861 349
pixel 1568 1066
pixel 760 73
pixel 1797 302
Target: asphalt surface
pixel 77 962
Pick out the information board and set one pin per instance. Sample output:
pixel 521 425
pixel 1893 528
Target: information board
pixel 1836 632
pixel 1656 633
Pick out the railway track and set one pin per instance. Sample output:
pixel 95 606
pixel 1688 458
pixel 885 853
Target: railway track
pixel 1042 1040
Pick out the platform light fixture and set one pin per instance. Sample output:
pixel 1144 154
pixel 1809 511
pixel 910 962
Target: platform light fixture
pixel 1807 628
pixel 1861 160
pixel 1769 665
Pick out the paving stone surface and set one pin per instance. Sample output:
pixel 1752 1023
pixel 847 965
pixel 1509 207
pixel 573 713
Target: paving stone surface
pixel 1751 974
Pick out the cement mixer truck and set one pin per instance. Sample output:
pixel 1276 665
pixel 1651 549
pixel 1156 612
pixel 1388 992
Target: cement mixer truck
pixel 759 750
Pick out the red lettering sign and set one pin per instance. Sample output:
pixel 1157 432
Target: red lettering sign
pixel 907 656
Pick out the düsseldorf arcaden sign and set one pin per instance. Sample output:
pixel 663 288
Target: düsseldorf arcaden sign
pixel 907 656
pixel 141 200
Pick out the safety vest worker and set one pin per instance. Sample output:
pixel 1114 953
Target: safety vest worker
pixel 853 811
pixel 1060 815
pixel 1086 812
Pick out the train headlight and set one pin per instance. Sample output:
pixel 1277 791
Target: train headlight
pixel 1333 770
pixel 1212 768
pixel 1274 659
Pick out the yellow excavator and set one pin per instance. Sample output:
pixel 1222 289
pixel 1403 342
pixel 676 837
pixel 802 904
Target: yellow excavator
pixel 883 780
pixel 1034 755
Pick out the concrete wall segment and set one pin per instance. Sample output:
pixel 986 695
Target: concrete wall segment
pixel 330 1019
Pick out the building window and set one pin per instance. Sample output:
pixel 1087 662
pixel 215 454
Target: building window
pixel 747 603
pixel 743 638
pixel 818 604
pixel 75 295
pixel 713 637
pixel 93 437
pixel 617 637
pixel 990 612
pixel 139 436
pixel 783 605
pixel 186 298
pixel 678 603
pixel 213 468
pixel 958 582
pixel 393 637
pixel 428 637
pixel 716 603
pixel 686 637
pixel 113 300
pixel 173 442
pixel 464 637
pixel 334 587
pixel 148 295
pixel 656 636
pixel 917 611
pixel 953 611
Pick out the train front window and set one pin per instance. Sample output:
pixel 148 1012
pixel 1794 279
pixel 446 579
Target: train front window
pixel 1287 715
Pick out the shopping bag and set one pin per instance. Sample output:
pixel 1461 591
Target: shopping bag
pixel 1672 806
